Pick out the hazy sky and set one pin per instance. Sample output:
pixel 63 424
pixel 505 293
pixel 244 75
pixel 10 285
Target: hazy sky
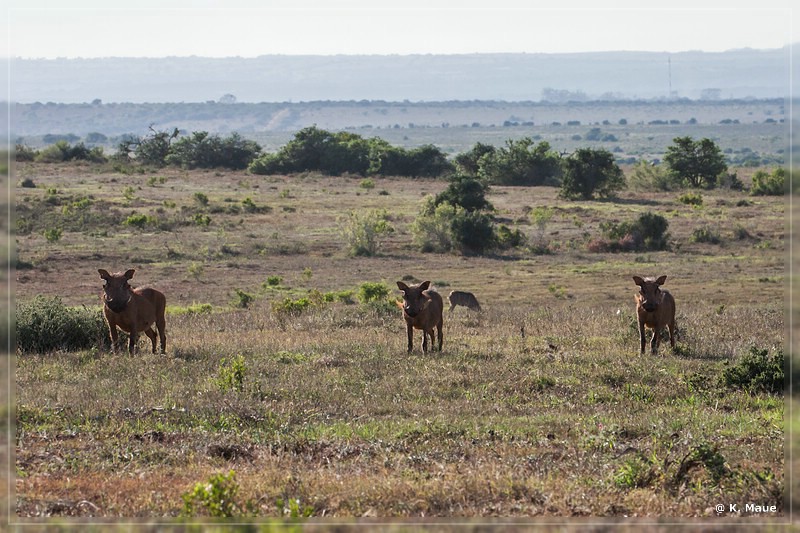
pixel 249 28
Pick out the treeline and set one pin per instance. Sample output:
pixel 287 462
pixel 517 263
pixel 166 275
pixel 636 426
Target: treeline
pixel 584 174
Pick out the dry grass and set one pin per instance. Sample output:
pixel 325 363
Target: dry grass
pixel 539 406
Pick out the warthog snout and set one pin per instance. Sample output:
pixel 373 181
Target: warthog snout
pixel 655 309
pixel 422 309
pixel 132 310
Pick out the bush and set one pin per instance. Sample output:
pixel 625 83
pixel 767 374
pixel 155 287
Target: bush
pixel 230 375
pixel 705 235
pixel 521 163
pixel 473 232
pixel 444 227
pixel 201 150
pixel 151 150
pixel 24 153
pixel 314 149
pixel 773 184
pixel 648 232
pixel 273 281
pixel 510 239
pixel 372 292
pixel 215 498
pixel 290 307
pixel 431 230
pixel 242 299
pixel 363 233
pixel 588 173
pixel 467 192
pixel 138 220
pixel 691 198
pixel 646 176
pixel 758 371
pixel 53 234
pixel 45 324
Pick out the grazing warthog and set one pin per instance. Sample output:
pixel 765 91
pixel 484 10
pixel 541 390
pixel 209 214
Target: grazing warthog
pixel 467 299
pixel 655 309
pixel 422 309
pixel 132 310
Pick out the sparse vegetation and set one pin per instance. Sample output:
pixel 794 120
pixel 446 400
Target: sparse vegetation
pixel 316 406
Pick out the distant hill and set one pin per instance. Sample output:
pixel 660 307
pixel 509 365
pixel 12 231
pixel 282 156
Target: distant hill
pixel 737 74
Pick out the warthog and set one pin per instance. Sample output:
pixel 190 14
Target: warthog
pixel 132 310
pixel 467 299
pixel 655 309
pixel 422 309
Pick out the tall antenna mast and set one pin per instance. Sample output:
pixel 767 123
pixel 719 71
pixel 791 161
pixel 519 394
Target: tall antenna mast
pixel 669 69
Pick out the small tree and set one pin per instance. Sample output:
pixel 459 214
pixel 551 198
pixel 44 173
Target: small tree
pixel 697 163
pixel 589 172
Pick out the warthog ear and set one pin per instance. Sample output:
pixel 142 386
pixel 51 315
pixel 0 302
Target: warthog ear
pixel 661 280
pixel 402 286
pixel 129 273
pixel 104 273
pixel 424 285
pixel 638 280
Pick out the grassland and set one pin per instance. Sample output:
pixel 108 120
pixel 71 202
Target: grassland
pixel 539 406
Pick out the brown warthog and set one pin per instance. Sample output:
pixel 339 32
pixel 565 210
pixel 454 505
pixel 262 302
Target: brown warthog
pixel 467 299
pixel 655 309
pixel 132 310
pixel 422 309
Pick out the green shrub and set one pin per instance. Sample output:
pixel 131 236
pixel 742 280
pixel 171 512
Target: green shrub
pixel 45 324
pixel 231 374
pixel 215 497
pixel 646 176
pixel 24 153
pixel 758 371
pixel 202 150
pixel 691 198
pixel 367 184
pixel 345 296
pixel 290 307
pixel 773 184
pixel 372 292
pixel 634 473
pixel 510 239
pixel 363 232
pixel 53 234
pixel 431 230
pixel 274 281
pixel 473 232
pixel 648 232
pixel 242 299
pixel 138 220
pixel 591 172
pixel 705 235
pixel 201 219
pixel 201 199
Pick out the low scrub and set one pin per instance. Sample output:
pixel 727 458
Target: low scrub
pixel 648 232
pixel 758 371
pixel 45 324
